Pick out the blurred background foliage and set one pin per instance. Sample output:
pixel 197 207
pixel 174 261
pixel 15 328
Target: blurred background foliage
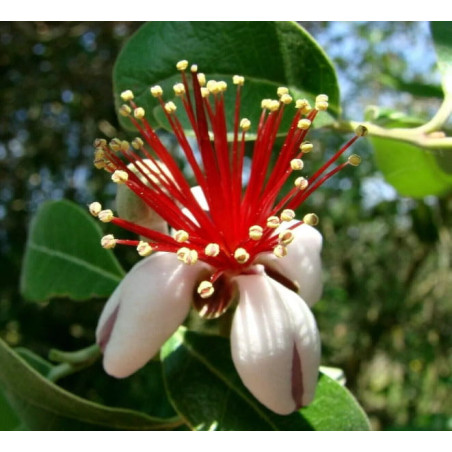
pixel 386 311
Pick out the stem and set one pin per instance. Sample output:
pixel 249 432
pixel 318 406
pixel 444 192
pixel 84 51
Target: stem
pixel 422 136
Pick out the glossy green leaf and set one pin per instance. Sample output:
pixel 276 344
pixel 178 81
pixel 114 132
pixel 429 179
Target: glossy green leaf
pixel 8 418
pixel 43 405
pixel 268 54
pixel 442 39
pixel 64 257
pixel 206 390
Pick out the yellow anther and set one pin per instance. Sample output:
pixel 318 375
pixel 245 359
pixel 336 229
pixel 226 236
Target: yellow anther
pixel 286 99
pixel 182 65
pixel 303 105
pixel 125 110
pixel 241 255
pixel 144 249
pixel 187 256
pixel 99 159
pixel 321 105
pixel 306 147
pixel 115 144
pixel 137 143
pixel 238 80
pixel 127 95
pixel 321 98
pixel 100 143
pixel 194 68
pixel 179 89
pixel 95 208
pixel 125 145
pixel 296 164
pixel 156 91
pixel 287 215
pixel 212 86
pixel 273 222
pixel 265 103
pixel 201 79
pixel 286 237
pixel 311 218
pixel 106 216
pixel 120 177
pixel 205 289
pixel 273 105
pixel 181 236
pixel 282 90
pixel 245 124
pixel 222 86
pixel 212 249
pixel 139 113
pixel 170 107
pixel 361 131
pixel 108 241
pixel 280 251
pixel 205 92
pixel 354 160
pixel 304 124
pixel 256 232
pixel 301 183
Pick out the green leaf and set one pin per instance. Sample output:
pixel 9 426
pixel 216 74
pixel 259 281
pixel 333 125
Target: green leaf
pixel 221 50
pixel 43 405
pixel 8 418
pixel 64 257
pixel 442 39
pixel 206 390
pixel 411 170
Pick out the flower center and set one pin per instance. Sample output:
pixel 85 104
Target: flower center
pixel 228 224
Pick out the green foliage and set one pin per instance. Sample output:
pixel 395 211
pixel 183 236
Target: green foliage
pixel 67 261
pixel 205 389
pixel 221 49
pixel 442 39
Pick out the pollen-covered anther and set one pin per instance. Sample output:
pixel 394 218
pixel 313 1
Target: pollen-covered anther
pixel 304 124
pixel 179 89
pixel 241 255
pixel 212 249
pixel 127 95
pixel 181 236
pixel 205 289
pixel 170 107
pixel 212 86
pixel 265 103
pixel 361 131
pixel 125 145
pixel 296 164
pixel 245 124
pixel 100 160
pixel 306 147
pixel 282 90
pixel 94 208
pixel 144 249
pixel 205 92
pixel 303 105
pixel 256 232
pixel 139 113
pixel 115 144
pixel 238 80
pixel 280 250
pixel 202 79
pixel 100 142
pixel 125 110
pixel 105 216
pixel 287 215
pixel 311 219
pixel 273 222
pixel 273 105
pixel 222 86
pixel 182 65
pixel 156 91
pixel 286 99
pixel 108 241
pixel 321 105
pixel 286 237
pixel 354 160
pixel 137 143
pixel 120 177
pixel 187 256
pixel 301 183
pixel 194 68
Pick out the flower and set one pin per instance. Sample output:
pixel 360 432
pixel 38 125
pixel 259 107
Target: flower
pixel 228 243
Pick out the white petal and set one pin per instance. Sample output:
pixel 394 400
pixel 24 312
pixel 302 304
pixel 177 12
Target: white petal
pixel 200 197
pixel 303 263
pixel 275 344
pixel 147 307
